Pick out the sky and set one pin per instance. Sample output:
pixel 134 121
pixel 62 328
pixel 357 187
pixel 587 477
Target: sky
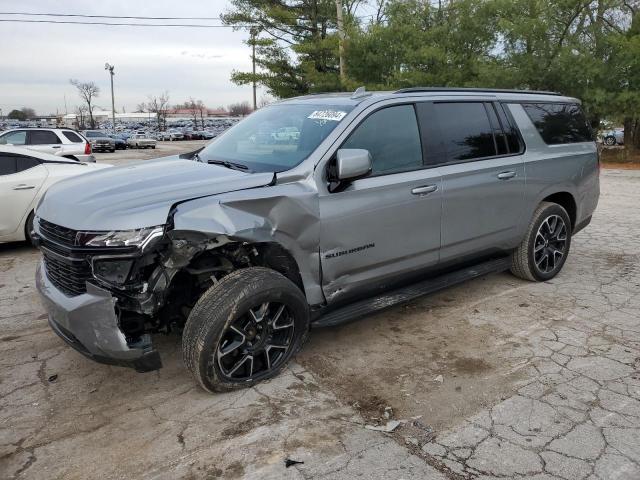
pixel 39 59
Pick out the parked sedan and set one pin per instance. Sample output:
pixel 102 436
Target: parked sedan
pixel 141 140
pixel 61 142
pixel 25 176
pixel 100 141
pixel 119 142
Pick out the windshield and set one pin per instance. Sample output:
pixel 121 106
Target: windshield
pixel 276 138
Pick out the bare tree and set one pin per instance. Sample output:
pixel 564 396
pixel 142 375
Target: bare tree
pixel 265 100
pixel 81 115
pixel 159 105
pixel 87 91
pixel 202 109
pixel 240 109
pixel 141 108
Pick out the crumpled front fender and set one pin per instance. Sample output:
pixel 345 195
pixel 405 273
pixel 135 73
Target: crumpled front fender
pixel 287 214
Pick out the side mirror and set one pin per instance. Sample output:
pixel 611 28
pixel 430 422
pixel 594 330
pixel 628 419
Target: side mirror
pixel 352 163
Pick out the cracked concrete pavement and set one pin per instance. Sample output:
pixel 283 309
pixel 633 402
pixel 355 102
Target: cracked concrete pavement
pixel 497 378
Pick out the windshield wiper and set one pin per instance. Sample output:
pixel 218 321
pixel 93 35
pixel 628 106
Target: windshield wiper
pixel 227 164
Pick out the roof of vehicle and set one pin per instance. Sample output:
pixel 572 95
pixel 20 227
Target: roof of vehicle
pixel 360 95
pixel 40 128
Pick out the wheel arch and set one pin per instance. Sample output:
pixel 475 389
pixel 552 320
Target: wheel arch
pixel 567 201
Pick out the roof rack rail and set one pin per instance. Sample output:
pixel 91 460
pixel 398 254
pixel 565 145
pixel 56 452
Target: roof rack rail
pixel 472 90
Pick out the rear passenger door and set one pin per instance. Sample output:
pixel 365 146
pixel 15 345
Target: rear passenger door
pixel 479 155
pixel 44 141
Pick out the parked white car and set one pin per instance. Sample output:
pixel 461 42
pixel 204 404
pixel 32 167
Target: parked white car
pixel 141 140
pixel 25 175
pixel 61 142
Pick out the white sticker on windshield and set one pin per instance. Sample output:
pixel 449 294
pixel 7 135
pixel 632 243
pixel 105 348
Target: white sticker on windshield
pixel 332 115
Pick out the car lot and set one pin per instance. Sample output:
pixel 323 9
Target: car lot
pixel 163 149
pixel 495 378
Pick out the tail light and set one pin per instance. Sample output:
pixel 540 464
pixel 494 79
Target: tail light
pixel 87 148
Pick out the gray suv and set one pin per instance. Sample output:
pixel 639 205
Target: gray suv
pixel 374 199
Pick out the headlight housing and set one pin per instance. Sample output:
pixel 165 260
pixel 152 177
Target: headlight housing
pixel 120 238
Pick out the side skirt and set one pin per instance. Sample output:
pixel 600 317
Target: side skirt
pixel 398 296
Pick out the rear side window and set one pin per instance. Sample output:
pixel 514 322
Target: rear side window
pixel 14 138
pixel 466 131
pixel 7 164
pixel 25 163
pixel 43 137
pixel 559 123
pixel 391 135
pixel 72 137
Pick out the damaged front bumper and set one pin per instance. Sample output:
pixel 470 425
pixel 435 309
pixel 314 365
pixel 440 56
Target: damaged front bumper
pixel 89 324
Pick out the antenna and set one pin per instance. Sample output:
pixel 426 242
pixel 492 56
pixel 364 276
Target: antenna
pixel 359 93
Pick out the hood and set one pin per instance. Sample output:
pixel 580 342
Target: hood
pixel 138 195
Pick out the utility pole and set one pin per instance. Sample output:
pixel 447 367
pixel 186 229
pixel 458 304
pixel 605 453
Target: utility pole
pixel 113 103
pixel 254 35
pixel 340 40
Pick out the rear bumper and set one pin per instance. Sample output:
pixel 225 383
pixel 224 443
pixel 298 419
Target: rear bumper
pixel 89 324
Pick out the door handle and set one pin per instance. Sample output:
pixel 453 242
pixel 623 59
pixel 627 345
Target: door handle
pixel 506 175
pixel 424 189
pixel 55 146
pixel 23 187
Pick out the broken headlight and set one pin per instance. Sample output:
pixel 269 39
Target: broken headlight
pixel 120 238
pixel 115 271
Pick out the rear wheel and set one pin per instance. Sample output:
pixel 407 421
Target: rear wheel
pixel 244 329
pixel 545 247
pixel 610 141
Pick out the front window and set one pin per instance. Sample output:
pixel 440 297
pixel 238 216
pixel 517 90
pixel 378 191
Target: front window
pixel 276 138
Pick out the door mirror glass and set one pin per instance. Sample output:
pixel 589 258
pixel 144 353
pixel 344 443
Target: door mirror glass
pixel 352 163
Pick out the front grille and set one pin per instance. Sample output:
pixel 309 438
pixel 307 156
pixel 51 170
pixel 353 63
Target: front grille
pixel 62 235
pixel 69 275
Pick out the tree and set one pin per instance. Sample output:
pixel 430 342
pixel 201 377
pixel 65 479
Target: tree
pixel 87 91
pixel 17 115
pixel 240 109
pixel 202 110
pixel 159 106
pixel 297 50
pixel 29 113
pixel 81 115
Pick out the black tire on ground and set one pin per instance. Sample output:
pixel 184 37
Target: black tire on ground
pixel 609 141
pixel 219 315
pixel 153 147
pixel 28 229
pixel 545 247
pixel 112 150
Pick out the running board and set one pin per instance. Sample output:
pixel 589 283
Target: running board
pixel 392 298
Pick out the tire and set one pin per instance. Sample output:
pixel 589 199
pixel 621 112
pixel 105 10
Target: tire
pixel 610 141
pixel 545 247
pixel 216 324
pixel 112 150
pixel 28 229
pixel 153 148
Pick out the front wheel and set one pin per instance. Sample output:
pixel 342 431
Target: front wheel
pixel 28 230
pixel 244 329
pixel 609 141
pixel 544 249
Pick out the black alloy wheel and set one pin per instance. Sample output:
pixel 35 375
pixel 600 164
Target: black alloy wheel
pixel 256 343
pixel 550 245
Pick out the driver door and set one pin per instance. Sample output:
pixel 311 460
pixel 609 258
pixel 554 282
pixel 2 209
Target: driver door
pixel 386 226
